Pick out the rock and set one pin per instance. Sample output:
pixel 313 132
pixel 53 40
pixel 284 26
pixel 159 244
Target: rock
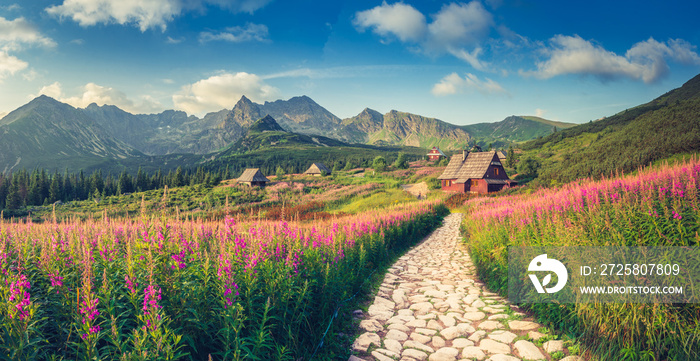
pixel 534 335
pixel 358 313
pixel 418 345
pixel 490 325
pixel 438 341
pixel 503 336
pixel 474 316
pixel 366 339
pixel 355 358
pixel 478 335
pixel 502 357
pixel 450 351
pixel 490 346
pixel 398 326
pixel 453 332
pixel 426 331
pixel 383 356
pixel 417 323
pixel 421 308
pixel 528 350
pixel 434 325
pixel 478 304
pixel 420 338
pixel 447 320
pixel 396 335
pixel 393 345
pixel 461 343
pixel 414 354
pixel 572 358
pixel 371 325
pixel 523 325
pixel 553 346
pixel 499 316
pixel 472 352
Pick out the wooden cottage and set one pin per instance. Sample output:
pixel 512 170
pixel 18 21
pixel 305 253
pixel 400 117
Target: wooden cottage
pixel 317 169
pixel 475 172
pixel 253 177
pixel 436 154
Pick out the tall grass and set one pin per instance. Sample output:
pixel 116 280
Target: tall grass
pixel 655 207
pixel 146 289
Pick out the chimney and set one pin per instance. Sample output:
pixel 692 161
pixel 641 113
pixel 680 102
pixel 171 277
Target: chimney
pixel 465 153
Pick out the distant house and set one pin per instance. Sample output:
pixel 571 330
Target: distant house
pixel 253 177
pixel 475 172
pixel 502 155
pixel 436 154
pixel 317 169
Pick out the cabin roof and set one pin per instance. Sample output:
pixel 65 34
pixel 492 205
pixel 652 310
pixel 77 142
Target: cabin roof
pixel 473 167
pixel 436 151
pixel 252 175
pixel 317 168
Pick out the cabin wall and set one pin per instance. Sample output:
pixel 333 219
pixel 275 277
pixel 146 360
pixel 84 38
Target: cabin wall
pixel 449 185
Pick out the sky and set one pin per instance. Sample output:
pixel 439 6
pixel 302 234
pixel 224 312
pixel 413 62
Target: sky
pixel 461 62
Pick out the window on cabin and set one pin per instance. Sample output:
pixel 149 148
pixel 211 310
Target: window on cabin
pixel 496 170
pixel 475 182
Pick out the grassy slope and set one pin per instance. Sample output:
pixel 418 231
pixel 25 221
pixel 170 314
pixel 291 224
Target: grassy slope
pixel 659 129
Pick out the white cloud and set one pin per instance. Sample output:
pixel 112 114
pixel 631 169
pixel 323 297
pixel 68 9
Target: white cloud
pixel 400 20
pixel 171 40
pixel 15 33
pixel 93 93
pixel 222 91
pixel 146 14
pixel 457 29
pixel 453 84
pixel 458 25
pixel 645 61
pixel 237 34
pixel 9 65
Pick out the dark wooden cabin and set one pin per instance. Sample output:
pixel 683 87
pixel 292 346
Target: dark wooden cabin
pixel 253 177
pixel 475 172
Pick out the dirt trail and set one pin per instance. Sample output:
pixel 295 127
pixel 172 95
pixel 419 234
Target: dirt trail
pixel 418 190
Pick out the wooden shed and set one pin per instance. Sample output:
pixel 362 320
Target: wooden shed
pixel 253 177
pixel 475 172
pixel 317 169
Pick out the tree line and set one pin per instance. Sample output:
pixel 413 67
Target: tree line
pixel 36 188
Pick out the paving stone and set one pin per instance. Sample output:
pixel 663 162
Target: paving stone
pixel 438 341
pixel 528 350
pixel 553 346
pixel 420 337
pixel 398 326
pixel 426 331
pixel 366 339
pixel 418 345
pixel 462 343
pixel 382 356
pixel 396 335
pixel 416 323
pixel 472 352
pixel 523 325
pixel 421 307
pixel 414 354
pixel 371 325
pixel 355 358
pixel 503 336
pixel 434 325
pixel 478 335
pixel 491 346
pixel 393 345
pixel 474 316
pixel 499 316
pixel 447 320
pixel 534 335
pixel 502 357
pixel 572 358
pixel 490 325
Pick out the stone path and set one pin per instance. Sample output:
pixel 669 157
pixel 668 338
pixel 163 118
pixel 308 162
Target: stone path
pixel 431 307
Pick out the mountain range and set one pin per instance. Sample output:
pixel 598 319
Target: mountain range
pixel 46 133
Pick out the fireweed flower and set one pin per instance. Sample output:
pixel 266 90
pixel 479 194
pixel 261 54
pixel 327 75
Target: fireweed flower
pixel 150 304
pixel 20 297
pixel 130 284
pixel 88 309
pixel 225 274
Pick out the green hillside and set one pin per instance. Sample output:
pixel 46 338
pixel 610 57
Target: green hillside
pixel 625 141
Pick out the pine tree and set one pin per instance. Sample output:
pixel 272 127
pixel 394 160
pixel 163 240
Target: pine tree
pixel 55 189
pixel 13 200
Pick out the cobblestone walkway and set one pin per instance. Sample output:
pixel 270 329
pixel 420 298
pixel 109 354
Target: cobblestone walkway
pixel 431 307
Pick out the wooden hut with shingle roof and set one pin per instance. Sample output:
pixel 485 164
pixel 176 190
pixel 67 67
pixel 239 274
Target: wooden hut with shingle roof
pixel 317 169
pixel 475 172
pixel 436 154
pixel 253 177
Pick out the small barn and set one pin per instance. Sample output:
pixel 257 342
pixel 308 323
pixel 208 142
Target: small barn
pixel 253 177
pixel 317 169
pixel 475 172
pixel 436 154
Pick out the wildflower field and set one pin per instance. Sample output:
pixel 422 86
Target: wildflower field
pixel 654 207
pixel 164 288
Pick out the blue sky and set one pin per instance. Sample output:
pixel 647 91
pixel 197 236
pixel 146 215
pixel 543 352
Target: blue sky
pixel 462 62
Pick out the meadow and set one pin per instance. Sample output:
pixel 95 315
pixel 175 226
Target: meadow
pixel 653 207
pixel 147 288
